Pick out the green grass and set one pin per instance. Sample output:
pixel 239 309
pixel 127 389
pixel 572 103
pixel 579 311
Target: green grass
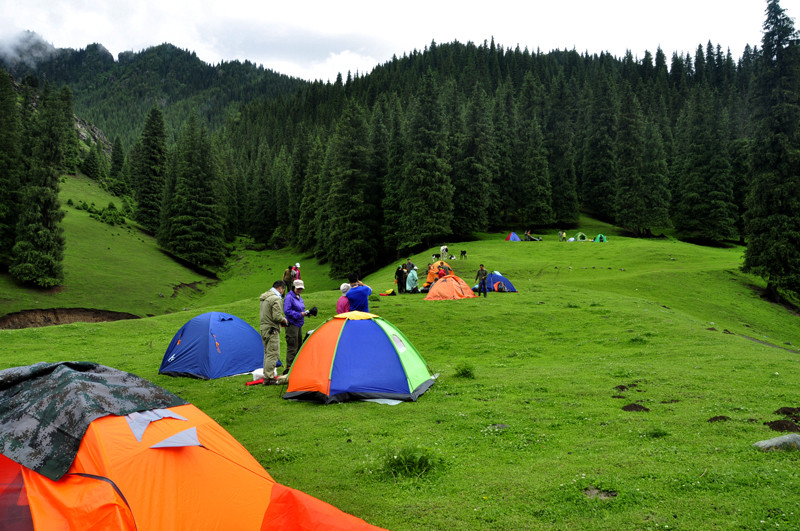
pixel 525 428
pixel 106 267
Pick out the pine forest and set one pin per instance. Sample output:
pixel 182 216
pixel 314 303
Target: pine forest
pixel 436 145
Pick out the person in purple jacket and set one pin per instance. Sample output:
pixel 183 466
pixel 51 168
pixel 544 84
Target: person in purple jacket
pixel 294 309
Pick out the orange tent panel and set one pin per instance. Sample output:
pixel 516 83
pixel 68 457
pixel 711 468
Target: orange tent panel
pixel 448 288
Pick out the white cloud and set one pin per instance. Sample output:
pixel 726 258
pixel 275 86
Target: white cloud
pixel 317 39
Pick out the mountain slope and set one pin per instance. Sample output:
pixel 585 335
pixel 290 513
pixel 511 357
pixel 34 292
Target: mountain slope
pixel 116 95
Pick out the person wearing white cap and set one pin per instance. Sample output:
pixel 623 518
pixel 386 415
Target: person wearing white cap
pixel 295 311
pixel 296 270
pixel 343 304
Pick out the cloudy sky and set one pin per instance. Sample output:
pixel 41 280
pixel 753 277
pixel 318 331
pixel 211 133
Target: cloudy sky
pixel 316 39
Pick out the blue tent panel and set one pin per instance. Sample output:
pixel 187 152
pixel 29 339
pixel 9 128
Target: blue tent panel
pixel 213 345
pixel 494 278
pixel 513 237
pixel 380 372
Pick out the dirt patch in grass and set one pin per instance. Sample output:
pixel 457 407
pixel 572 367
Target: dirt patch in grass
pixel 783 425
pixel 719 418
pixel 634 407
pixel 592 492
pixel 58 316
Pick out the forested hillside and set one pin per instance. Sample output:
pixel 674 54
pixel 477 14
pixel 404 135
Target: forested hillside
pixel 455 139
pixel 116 95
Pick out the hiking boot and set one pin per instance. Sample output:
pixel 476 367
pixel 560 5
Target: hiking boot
pixel 270 381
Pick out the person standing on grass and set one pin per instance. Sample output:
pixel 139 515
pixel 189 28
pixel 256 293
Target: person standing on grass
pixel 288 276
pixel 343 304
pixel 481 277
pixel 411 281
pixel 271 320
pixel 358 295
pixel 400 279
pixel 295 310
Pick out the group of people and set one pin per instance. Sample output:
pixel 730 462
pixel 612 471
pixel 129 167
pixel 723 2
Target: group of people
pixel 406 277
pixel 277 312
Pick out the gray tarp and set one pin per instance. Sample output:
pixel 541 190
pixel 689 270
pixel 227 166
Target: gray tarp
pixel 45 409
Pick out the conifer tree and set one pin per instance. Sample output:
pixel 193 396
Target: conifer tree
pixel 474 167
pixel 392 185
pixel 66 122
pixel 535 192
pixel 39 243
pixel 353 218
pixel 193 229
pixel 704 208
pixel 10 167
pixel 559 140
pixel 630 207
pixel 149 171
pixel 425 217
pixel 116 174
pixel 773 215
pixel 599 176
pixel 311 200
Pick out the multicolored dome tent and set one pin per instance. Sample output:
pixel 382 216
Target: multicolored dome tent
pixel 357 356
pixel 512 237
pixel 493 279
pixel 448 288
pixel 213 345
pixel 90 447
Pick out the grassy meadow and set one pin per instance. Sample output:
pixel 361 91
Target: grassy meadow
pixel 533 421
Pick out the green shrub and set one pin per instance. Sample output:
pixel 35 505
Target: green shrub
pixel 411 462
pixel 465 370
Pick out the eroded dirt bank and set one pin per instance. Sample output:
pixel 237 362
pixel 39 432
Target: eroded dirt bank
pixel 57 316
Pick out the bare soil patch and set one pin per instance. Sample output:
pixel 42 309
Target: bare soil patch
pixel 58 316
pixel 719 418
pixel 783 425
pixel 593 492
pixel 634 407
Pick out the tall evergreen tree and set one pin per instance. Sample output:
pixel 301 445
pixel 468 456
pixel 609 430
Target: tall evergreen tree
pixel 193 229
pixel 311 200
pixel 39 245
pixel 704 208
pixel 149 171
pixel 559 140
pixel 353 217
pixel 599 178
pixel 116 174
pixel 773 215
pixel 425 217
pixel 10 166
pixel 534 194
pixel 474 167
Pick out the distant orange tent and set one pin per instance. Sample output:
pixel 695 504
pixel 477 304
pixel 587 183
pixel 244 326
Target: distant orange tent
pixel 146 460
pixel 448 288
pixel 433 269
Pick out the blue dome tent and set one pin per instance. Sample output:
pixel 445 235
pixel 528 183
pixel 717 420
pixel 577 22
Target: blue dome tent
pixel 492 280
pixel 213 345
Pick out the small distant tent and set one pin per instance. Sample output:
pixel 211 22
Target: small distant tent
pixel 448 288
pixel 493 279
pixel 600 238
pixel 581 237
pixel 213 345
pixel 86 446
pixel 434 269
pixel 357 356
pixel 512 237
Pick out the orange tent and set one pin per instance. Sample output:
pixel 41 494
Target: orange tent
pixel 166 468
pixel 433 269
pixel 450 287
